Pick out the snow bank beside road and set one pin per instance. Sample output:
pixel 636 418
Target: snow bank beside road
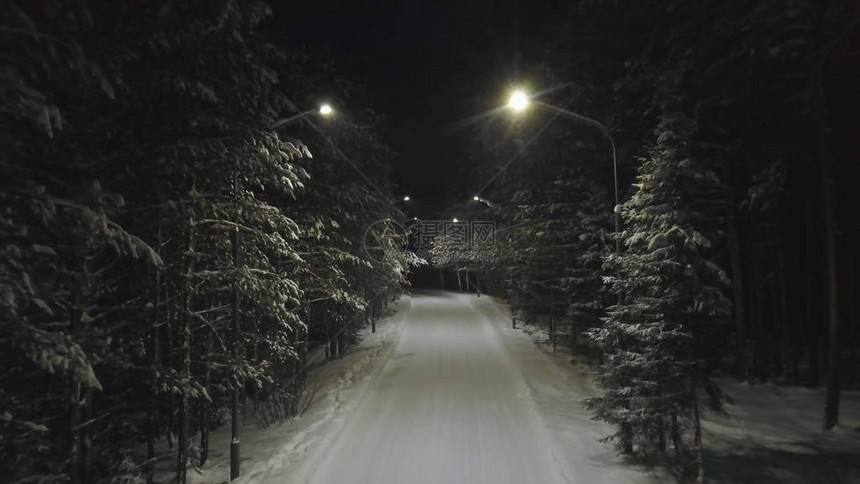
pixel 268 452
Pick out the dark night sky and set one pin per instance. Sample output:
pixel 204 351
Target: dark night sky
pixel 422 62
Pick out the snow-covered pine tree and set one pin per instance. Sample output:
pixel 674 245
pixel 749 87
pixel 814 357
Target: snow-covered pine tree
pixel 174 108
pixel 653 375
pixel 349 197
pixel 545 234
pixel 216 173
pixel 555 248
pixel 64 250
pixel 587 295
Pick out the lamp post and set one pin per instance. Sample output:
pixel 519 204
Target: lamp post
pixel 519 100
pixel 325 110
pixel 485 201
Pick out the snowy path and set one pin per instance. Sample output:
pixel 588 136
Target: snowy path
pixel 448 407
pixel 446 393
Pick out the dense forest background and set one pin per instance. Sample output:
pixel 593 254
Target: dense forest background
pixel 735 125
pixel 165 253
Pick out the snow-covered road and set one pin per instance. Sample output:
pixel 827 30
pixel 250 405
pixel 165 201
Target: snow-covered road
pixel 449 406
pixel 444 392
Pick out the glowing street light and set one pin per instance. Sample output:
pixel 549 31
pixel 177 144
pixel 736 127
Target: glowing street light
pixel 406 198
pixel 324 110
pixel 455 220
pixel 519 100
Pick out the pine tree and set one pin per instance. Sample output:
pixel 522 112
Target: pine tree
pixel 673 305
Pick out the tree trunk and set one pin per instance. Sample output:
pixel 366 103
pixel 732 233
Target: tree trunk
pixel 152 409
pixel 85 430
pixel 169 362
pixel 780 331
pixel 852 324
pixel 812 329
pixel 204 404
pixel 761 360
pixel 185 369
pixel 676 438
pixel 332 345
pixel 75 476
pixel 792 335
pixel 627 436
pixel 700 459
pixel 831 407
pixel 87 437
pixel 738 295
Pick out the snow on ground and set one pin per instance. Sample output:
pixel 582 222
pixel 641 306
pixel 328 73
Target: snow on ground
pixel 557 389
pixel 448 393
pixel 773 434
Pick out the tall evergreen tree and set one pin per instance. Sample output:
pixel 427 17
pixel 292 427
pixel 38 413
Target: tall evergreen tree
pixel 672 306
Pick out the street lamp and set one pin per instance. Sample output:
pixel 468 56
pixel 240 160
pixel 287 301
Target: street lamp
pixel 519 100
pixel 323 109
pixel 484 200
pixel 406 198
